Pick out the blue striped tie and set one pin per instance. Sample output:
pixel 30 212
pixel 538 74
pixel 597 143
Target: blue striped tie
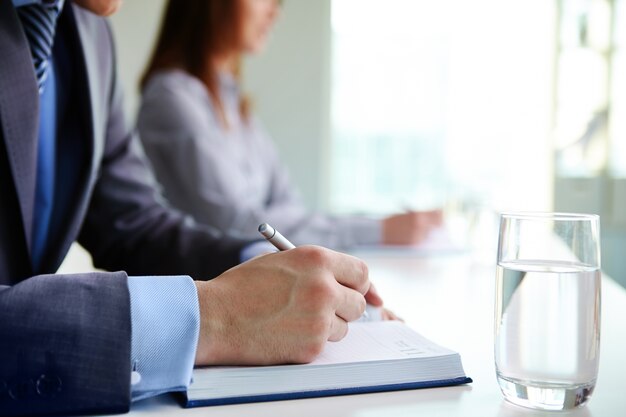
pixel 39 21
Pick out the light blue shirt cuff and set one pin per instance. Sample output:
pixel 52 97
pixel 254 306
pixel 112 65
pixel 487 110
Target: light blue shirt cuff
pixel 165 318
pixel 255 249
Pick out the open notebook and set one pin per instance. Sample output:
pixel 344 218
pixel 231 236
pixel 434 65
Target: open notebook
pixel 373 357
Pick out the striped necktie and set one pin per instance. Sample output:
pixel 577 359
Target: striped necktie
pixel 39 22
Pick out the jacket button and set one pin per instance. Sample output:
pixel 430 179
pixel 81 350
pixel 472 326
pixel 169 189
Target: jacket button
pixel 48 385
pixel 19 390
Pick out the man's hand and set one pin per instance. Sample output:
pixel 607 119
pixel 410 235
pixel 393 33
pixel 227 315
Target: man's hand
pixel 373 298
pixel 410 228
pixel 280 308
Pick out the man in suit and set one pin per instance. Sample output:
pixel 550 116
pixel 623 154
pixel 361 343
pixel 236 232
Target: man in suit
pixel 70 168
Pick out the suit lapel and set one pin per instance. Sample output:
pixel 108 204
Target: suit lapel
pixel 91 75
pixel 19 111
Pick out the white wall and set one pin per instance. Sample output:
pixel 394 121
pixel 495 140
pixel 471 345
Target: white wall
pixel 289 82
pixel 135 28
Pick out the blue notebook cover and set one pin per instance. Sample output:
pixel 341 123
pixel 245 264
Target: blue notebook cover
pixel 187 403
pixel 373 357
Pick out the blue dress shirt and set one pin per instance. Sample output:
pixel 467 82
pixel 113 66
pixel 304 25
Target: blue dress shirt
pixel 165 316
pixel 46 157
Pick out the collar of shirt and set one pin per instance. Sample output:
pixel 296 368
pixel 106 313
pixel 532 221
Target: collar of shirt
pixel 20 3
pixel 228 82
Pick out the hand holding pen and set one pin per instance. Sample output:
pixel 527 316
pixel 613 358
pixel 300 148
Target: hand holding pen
pixel 373 310
pixel 279 308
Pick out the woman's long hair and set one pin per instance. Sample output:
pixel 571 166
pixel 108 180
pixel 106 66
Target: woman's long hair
pixel 192 33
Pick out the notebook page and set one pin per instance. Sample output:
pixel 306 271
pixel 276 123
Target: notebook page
pixel 375 341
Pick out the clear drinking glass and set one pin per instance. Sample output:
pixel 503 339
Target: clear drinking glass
pixel 547 318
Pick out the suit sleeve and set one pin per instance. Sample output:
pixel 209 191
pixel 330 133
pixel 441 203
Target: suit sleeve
pixel 128 224
pixel 65 345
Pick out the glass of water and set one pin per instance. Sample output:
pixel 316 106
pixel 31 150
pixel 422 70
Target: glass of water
pixel 547 318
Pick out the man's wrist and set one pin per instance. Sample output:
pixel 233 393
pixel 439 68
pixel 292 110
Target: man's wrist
pixel 210 302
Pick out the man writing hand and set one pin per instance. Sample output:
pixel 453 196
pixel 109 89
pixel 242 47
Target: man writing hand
pixel 280 318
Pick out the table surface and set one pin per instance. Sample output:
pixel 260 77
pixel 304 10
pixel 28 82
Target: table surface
pixel 450 299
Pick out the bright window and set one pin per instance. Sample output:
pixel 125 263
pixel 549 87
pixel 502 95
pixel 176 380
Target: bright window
pixel 437 102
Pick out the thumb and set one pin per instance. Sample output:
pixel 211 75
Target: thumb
pixel 372 297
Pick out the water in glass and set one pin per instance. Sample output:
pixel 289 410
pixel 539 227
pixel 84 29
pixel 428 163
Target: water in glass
pixel 547 332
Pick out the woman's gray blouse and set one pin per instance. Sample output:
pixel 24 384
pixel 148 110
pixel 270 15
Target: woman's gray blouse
pixel 231 178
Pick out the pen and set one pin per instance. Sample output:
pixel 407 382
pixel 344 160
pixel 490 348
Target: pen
pixel 272 235
pixel 281 243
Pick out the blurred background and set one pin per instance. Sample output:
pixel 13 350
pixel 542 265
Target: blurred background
pixel 477 107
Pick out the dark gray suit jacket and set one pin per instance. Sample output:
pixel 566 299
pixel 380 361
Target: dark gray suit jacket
pixel 65 340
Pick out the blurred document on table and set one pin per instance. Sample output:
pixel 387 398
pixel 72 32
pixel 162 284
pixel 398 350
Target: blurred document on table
pixel 439 242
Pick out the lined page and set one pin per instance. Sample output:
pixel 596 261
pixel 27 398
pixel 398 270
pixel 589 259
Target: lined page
pixel 375 341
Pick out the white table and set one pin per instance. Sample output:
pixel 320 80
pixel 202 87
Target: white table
pixel 449 299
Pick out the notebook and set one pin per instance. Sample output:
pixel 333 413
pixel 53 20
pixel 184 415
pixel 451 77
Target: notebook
pixel 373 357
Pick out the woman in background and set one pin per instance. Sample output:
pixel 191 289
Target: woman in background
pixel 213 158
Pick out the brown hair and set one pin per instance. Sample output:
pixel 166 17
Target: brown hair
pixel 192 32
